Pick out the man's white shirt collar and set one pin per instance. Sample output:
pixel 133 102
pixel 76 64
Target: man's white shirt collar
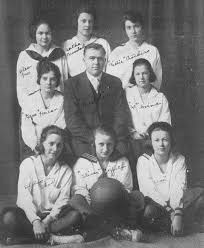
pixel 95 81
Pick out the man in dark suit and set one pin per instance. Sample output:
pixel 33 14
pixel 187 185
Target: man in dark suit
pixel 93 98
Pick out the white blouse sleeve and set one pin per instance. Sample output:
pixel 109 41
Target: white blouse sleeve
pixel 20 79
pixel 28 126
pixel 146 183
pixel 60 118
pixel 125 175
pixel 179 184
pixel 25 198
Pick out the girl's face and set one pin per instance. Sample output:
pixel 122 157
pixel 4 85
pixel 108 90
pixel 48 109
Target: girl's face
pixel 161 142
pixel 48 82
pixel 43 35
pixel 53 146
pixel 85 24
pixel 133 31
pixel 141 75
pixel 104 145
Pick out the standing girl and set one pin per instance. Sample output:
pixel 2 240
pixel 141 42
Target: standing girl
pixel 74 48
pixel 122 57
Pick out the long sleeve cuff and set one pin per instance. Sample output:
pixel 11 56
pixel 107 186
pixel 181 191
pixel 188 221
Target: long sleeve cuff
pixel 32 217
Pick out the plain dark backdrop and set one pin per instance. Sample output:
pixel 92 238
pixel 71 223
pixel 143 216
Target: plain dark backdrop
pixel 175 27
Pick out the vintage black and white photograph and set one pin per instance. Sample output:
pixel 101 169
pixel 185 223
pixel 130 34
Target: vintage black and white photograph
pixel 102 116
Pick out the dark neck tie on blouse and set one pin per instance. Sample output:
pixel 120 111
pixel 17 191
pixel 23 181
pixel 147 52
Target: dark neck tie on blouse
pixel 54 55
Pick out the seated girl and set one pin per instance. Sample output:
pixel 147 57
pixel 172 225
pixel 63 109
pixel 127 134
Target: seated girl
pixel 146 105
pixel 104 163
pixel 41 108
pixel 163 181
pixel 43 190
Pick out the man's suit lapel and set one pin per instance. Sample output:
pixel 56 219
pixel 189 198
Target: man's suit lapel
pixel 104 87
pixel 85 87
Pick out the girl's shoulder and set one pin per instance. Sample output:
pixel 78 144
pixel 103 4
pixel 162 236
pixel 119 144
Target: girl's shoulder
pixel 24 55
pixel 70 42
pixel 59 94
pixel 155 93
pixel 149 46
pixel 177 158
pixel 119 49
pixel 131 91
pixel 86 160
pixel 121 159
pixel 145 158
pixel 28 163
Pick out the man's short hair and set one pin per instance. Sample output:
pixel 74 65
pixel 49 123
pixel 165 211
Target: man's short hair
pixel 94 46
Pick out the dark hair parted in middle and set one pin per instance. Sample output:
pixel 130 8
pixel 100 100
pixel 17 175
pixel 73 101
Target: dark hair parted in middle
pixel 34 26
pixel 164 126
pixel 85 9
pixel 52 129
pixel 45 66
pixel 134 17
pixel 141 61
pixel 95 46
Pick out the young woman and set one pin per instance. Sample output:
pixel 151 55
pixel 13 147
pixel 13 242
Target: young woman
pixel 42 47
pixel 122 57
pixel 43 190
pixel 43 107
pixel 74 48
pixel 146 104
pixel 162 180
pixel 105 163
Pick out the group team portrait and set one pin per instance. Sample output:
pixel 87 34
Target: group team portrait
pixel 102 116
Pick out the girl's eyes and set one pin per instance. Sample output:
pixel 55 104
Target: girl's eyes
pixel 58 145
pixel 89 21
pixel 51 79
pixel 46 33
pixel 143 73
pixel 159 140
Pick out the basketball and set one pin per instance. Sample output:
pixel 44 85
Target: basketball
pixel 108 197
